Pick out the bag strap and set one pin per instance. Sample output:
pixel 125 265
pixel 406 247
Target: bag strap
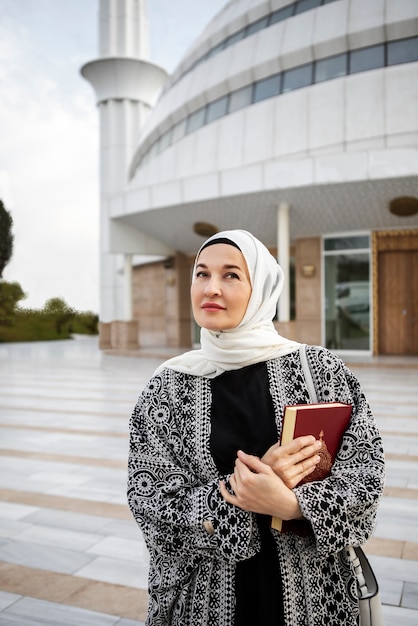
pixel 366 580
pixel 358 570
pixel 307 373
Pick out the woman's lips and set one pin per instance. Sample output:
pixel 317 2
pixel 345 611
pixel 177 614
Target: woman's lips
pixel 212 306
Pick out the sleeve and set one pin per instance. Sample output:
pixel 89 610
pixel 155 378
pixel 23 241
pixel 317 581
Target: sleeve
pixel 180 513
pixel 342 508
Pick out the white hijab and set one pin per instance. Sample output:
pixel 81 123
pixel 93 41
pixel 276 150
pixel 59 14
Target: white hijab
pixel 254 339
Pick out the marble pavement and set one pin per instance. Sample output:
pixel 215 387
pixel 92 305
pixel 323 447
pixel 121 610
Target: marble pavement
pixel 70 553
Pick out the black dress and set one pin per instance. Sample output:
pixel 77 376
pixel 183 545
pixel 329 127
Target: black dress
pixel 242 418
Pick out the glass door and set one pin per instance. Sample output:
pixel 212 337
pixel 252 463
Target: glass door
pixel 347 292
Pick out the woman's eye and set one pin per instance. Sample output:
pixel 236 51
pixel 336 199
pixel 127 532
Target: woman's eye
pixel 201 274
pixel 232 275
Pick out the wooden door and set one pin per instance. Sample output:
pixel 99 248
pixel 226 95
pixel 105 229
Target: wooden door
pixel 398 302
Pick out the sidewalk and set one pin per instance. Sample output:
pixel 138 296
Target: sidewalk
pixel 70 552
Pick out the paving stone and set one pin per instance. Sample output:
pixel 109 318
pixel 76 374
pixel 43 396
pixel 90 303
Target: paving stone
pixel 69 546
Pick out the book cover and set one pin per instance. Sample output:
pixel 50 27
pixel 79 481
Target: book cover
pixel 326 421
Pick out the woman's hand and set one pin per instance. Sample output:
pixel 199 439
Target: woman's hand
pixel 258 489
pixel 295 460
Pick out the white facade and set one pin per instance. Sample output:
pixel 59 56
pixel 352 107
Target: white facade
pixel 334 148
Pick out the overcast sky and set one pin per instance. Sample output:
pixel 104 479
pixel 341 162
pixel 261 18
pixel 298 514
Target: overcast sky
pixel 49 135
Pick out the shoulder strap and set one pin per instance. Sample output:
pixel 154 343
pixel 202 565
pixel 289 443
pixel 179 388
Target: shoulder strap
pixel 366 580
pixel 307 373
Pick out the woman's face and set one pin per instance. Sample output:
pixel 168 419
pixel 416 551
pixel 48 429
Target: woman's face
pixel 221 287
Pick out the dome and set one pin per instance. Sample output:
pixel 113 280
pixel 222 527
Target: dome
pixel 295 120
pixel 285 102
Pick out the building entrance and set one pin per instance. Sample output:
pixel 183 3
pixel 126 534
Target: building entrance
pixel 397 293
pixel 398 302
pixel 347 292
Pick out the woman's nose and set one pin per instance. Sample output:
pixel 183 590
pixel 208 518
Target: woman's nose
pixel 213 287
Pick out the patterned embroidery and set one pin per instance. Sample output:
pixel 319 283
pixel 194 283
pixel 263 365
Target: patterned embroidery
pixel 173 490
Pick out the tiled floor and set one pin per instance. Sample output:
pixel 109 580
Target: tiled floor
pixel 70 553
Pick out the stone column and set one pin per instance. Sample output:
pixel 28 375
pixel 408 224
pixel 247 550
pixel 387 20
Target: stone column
pixel 283 258
pixel 127 284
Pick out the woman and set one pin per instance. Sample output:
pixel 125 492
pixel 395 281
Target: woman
pixel 206 472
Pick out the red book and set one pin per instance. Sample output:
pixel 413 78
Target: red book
pixel 326 421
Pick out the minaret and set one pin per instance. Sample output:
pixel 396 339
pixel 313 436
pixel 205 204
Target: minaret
pixel 126 84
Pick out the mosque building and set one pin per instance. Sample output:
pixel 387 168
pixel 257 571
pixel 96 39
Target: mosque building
pixel 297 121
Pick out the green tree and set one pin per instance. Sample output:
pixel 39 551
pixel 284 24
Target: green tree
pixel 59 311
pixel 10 295
pixel 6 237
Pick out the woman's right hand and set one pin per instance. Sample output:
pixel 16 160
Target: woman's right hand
pixel 295 460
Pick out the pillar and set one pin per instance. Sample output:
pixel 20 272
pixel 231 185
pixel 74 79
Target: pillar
pixel 283 258
pixel 127 287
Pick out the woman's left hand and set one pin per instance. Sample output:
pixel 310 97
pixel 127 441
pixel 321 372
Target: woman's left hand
pixel 258 489
pixel 295 460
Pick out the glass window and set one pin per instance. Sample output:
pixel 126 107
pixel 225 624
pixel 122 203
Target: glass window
pixel 178 131
pixel 165 140
pixel 256 26
pixel 215 50
pixel 152 151
pixel 234 38
pixel 143 161
pixel 367 58
pixel 347 292
pixel 192 67
pixel 332 67
pixel 347 301
pixel 306 5
pixel 158 146
pixel 267 88
pixel 204 57
pixel 240 98
pixel 217 109
pixel 195 120
pixel 356 242
pixel 297 78
pixel 403 51
pixel 281 14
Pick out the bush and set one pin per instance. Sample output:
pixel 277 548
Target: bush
pixel 55 321
pixel 31 325
pixel 85 323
